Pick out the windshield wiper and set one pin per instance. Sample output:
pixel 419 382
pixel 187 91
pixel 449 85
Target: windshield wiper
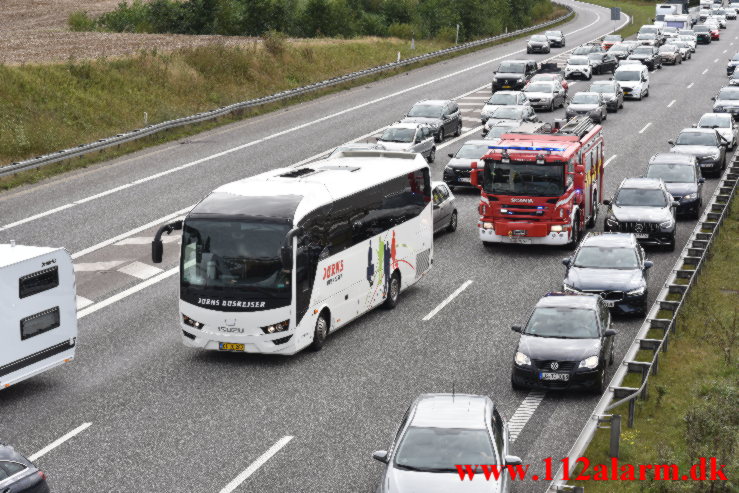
pixel 425 469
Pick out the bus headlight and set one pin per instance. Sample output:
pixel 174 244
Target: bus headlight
pixel 278 327
pixel 192 323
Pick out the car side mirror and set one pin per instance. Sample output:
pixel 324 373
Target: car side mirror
pixel 566 261
pixel 377 139
pixel 437 206
pixel 694 125
pixel 516 328
pixel 701 180
pixel 675 203
pixel 648 264
pixel 450 155
pixel 610 332
pixel 606 202
pixel 380 455
pixel 513 460
pixel 671 142
pixel 713 98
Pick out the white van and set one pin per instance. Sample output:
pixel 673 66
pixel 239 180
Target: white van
pixel 634 80
pixel 38 311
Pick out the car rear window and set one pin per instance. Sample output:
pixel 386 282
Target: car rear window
pixel 10 468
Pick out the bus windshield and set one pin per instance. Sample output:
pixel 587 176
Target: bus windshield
pixel 524 178
pixel 234 254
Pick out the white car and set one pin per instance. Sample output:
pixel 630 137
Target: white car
pixel 690 39
pixel 723 123
pixel 500 99
pixel 410 137
pixel 578 66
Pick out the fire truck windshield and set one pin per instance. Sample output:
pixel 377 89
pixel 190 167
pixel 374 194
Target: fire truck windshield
pixel 524 178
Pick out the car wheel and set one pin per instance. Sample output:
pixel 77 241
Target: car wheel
pixel 515 385
pixel 319 333
pixel 393 291
pixel 452 223
pixel 621 106
pixel 440 135
pixel 551 106
pixel 432 155
pixel 646 94
pixel 605 116
pixel 671 245
pixel 459 129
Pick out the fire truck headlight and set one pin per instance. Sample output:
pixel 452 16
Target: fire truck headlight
pixel 556 228
pixel 487 225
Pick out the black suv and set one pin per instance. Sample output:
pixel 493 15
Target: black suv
pixel 18 474
pixel 611 265
pixel 683 179
pixel 443 116
pixel 643 206
pixel 567 342
pixel 513 74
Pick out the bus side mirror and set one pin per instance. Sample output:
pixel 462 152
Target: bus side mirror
pixel 157 248
pixel 516 328
pixel 286 251
pixel 606 202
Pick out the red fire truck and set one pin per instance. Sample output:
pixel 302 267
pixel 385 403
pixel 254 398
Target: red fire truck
pixel 543 186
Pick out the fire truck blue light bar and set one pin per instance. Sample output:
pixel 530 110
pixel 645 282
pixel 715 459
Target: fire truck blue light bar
pixel 529 148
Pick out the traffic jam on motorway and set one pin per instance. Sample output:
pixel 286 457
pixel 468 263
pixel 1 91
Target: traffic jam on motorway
pixel 275 263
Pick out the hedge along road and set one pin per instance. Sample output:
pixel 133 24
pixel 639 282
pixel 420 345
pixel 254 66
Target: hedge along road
pixel 156 407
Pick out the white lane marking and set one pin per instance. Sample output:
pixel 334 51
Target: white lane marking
pixel 120 237
pixel 145 240
pixel 481 98
pixel 58 442
pixel 468 104
pixel 256 465
pixel 524 412
pixel 140 270
pixel 447 301
pixel 722 52
pixel 704 72
pixel 281 133
pixel 570 84
pixel 469 119
pixel 608 161
pixel 128 292
pixel 645 128
pixel 690 85
pixel 94 266
pixel 465 129
pixel 671 103
pixel 716 60
pixel 731 44
pixel 82 302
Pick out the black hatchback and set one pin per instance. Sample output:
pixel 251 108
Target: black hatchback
pixel 566 343
pixel 18 474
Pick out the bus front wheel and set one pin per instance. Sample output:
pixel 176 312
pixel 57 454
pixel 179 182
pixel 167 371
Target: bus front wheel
pixel 320 332
pixel 393 291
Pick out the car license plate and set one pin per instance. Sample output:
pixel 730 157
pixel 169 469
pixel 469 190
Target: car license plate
pixel 641 235
pixel 506 87
pixel 706 165
pixel 464 180
pixel 230 346
pixel 609 303
pixel 563 377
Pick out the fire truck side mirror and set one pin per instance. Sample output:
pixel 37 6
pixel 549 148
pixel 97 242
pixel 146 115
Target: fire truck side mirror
pixel 474 177
pixel 579 168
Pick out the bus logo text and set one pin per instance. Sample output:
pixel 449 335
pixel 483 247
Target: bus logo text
pixel 333 269
pixel 232 303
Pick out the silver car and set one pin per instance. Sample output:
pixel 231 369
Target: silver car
pixel 727 101
pixel 593 104
pixel 723 124
pixel 547 95
pixel 440 431
pixel 410 137
pixel 518 114
pixel 445 207
pixel 502 98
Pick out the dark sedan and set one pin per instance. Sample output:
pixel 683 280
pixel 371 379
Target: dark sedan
pixel 682 177
pixel 556 38
pixel 603 63
pixel 612 93
pixel 703 34
pixel 648 55
pixel 538 43
pixel 18 474
pixel 706 144
pixel 566 343
pixel 611 265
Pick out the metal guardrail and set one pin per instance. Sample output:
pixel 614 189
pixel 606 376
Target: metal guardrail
pixel 682 278
pixel 137 134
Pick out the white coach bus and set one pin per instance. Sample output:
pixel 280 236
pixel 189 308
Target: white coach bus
pixel 38 312
pixel 274 262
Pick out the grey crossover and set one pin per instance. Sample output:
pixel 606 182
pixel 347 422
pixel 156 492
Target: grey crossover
pixel 443 116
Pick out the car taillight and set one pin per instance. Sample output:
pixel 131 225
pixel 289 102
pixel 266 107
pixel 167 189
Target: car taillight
pixel 41 475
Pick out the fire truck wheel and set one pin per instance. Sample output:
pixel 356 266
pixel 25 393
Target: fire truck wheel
pixel 393 291
pixel 319 333
pixel 452 223
pixel 594 216
pixel 576 232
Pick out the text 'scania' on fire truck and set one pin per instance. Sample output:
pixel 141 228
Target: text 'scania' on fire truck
pixel 543 186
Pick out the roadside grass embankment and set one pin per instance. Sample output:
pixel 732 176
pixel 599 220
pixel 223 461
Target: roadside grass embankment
pixel 45 108
pixel 641 12
pixel 692 410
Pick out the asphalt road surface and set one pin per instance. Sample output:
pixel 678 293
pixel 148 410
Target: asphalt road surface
pixel 152 415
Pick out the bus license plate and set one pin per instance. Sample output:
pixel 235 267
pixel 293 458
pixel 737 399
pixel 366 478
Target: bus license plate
pixel 641 235
pixel 230 346
pixel 563 377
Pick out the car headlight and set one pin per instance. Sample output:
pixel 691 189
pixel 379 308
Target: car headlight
pixel 611 221
pixel 715 155
pixel 521 359
pixel 667 224
pixel 520 80
pixel 690 196
pixel 591 362
pixel 636 292
pixel 569 289
pixel 278 327
pixel 192 323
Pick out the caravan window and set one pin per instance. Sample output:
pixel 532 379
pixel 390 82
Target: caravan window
pixel 40 323
pixel 38 282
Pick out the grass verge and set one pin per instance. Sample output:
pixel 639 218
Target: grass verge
pixel 692 407
pixel 49 107
pixel 641 12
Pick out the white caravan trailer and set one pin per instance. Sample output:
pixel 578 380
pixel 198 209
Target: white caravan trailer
pixel 274 262
pixel 38 312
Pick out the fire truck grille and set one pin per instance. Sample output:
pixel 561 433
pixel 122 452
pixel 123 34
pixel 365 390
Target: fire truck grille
pixel 638 227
